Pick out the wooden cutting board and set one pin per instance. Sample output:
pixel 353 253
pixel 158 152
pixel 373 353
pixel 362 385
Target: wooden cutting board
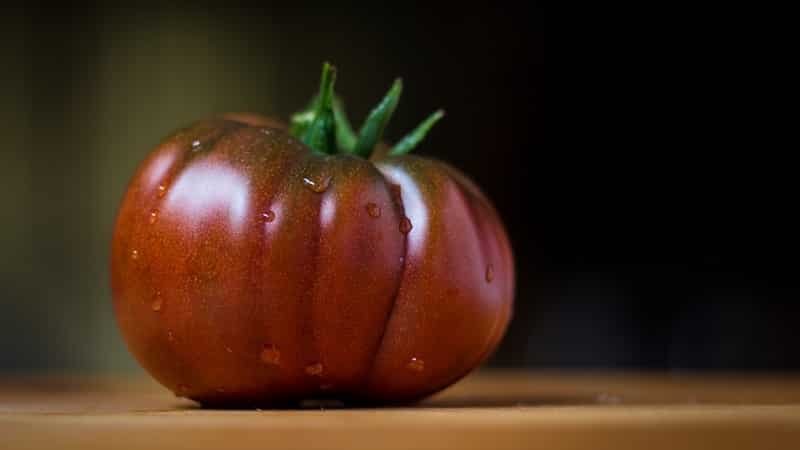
pixel 491 410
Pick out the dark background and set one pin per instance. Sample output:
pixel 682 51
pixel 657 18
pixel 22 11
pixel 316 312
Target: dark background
pixel 635 246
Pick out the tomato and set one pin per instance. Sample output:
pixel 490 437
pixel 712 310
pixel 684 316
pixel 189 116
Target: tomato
pixel 259 263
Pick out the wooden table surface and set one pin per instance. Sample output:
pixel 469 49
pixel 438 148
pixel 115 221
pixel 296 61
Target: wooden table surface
pixel 492 410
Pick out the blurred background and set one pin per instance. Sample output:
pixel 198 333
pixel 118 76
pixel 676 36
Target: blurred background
pixel 630 254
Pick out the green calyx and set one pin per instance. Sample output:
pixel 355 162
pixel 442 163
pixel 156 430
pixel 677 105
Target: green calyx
pixel 324 127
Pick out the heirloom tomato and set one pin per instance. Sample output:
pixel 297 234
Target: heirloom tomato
pixel 256 262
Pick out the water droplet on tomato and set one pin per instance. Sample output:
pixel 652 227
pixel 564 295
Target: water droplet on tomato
pixel 318 185
pixel 134 254
pixel 162 190
pixel 153 216
pixel 489 273
pixel 416 364
pixel 170 336
pixel 405 225
pixel 271 355
pixel 266 131
pixel 314 369
pixel 268 216
pixel 196 145
pixel 228 349
pixel 373 210
pixel 397 194
pixel 157 304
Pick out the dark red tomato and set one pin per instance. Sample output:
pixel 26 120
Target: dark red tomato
pixel 248 267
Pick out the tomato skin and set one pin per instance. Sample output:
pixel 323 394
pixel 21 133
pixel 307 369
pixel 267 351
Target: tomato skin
pixel 248 270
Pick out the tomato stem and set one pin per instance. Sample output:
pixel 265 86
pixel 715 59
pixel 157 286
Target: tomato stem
pixel 324 126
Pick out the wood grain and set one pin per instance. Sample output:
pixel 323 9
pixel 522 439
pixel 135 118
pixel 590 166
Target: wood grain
pixel 493 410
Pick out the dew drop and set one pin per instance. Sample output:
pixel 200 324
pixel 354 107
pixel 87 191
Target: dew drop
pixel 405 225
pixel 318 186
pixel 135 254
pixel 266 131
pixel 270 355
pixel 153 216
pixel 170 336
pixel 314 369
pixel 268 216
pixel 397 194
pixel 228 349
pixel 373 210
pixel 489 273
pixel 196 145
pixel 162 190
pixel 416 364
pixel 157 304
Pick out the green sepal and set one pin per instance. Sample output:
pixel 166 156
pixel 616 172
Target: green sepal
pixel 320 134
pixel 372 130
pixel 407 143
pixel 345 137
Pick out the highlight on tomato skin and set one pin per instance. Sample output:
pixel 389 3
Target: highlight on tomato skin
pixel 259 262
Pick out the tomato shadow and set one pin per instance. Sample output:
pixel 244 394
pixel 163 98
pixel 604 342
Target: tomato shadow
pixel 476 401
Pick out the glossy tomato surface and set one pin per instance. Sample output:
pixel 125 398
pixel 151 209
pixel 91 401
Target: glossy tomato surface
pixel 246 269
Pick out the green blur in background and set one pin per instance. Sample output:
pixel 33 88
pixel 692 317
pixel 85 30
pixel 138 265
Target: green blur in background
pixel 85 107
